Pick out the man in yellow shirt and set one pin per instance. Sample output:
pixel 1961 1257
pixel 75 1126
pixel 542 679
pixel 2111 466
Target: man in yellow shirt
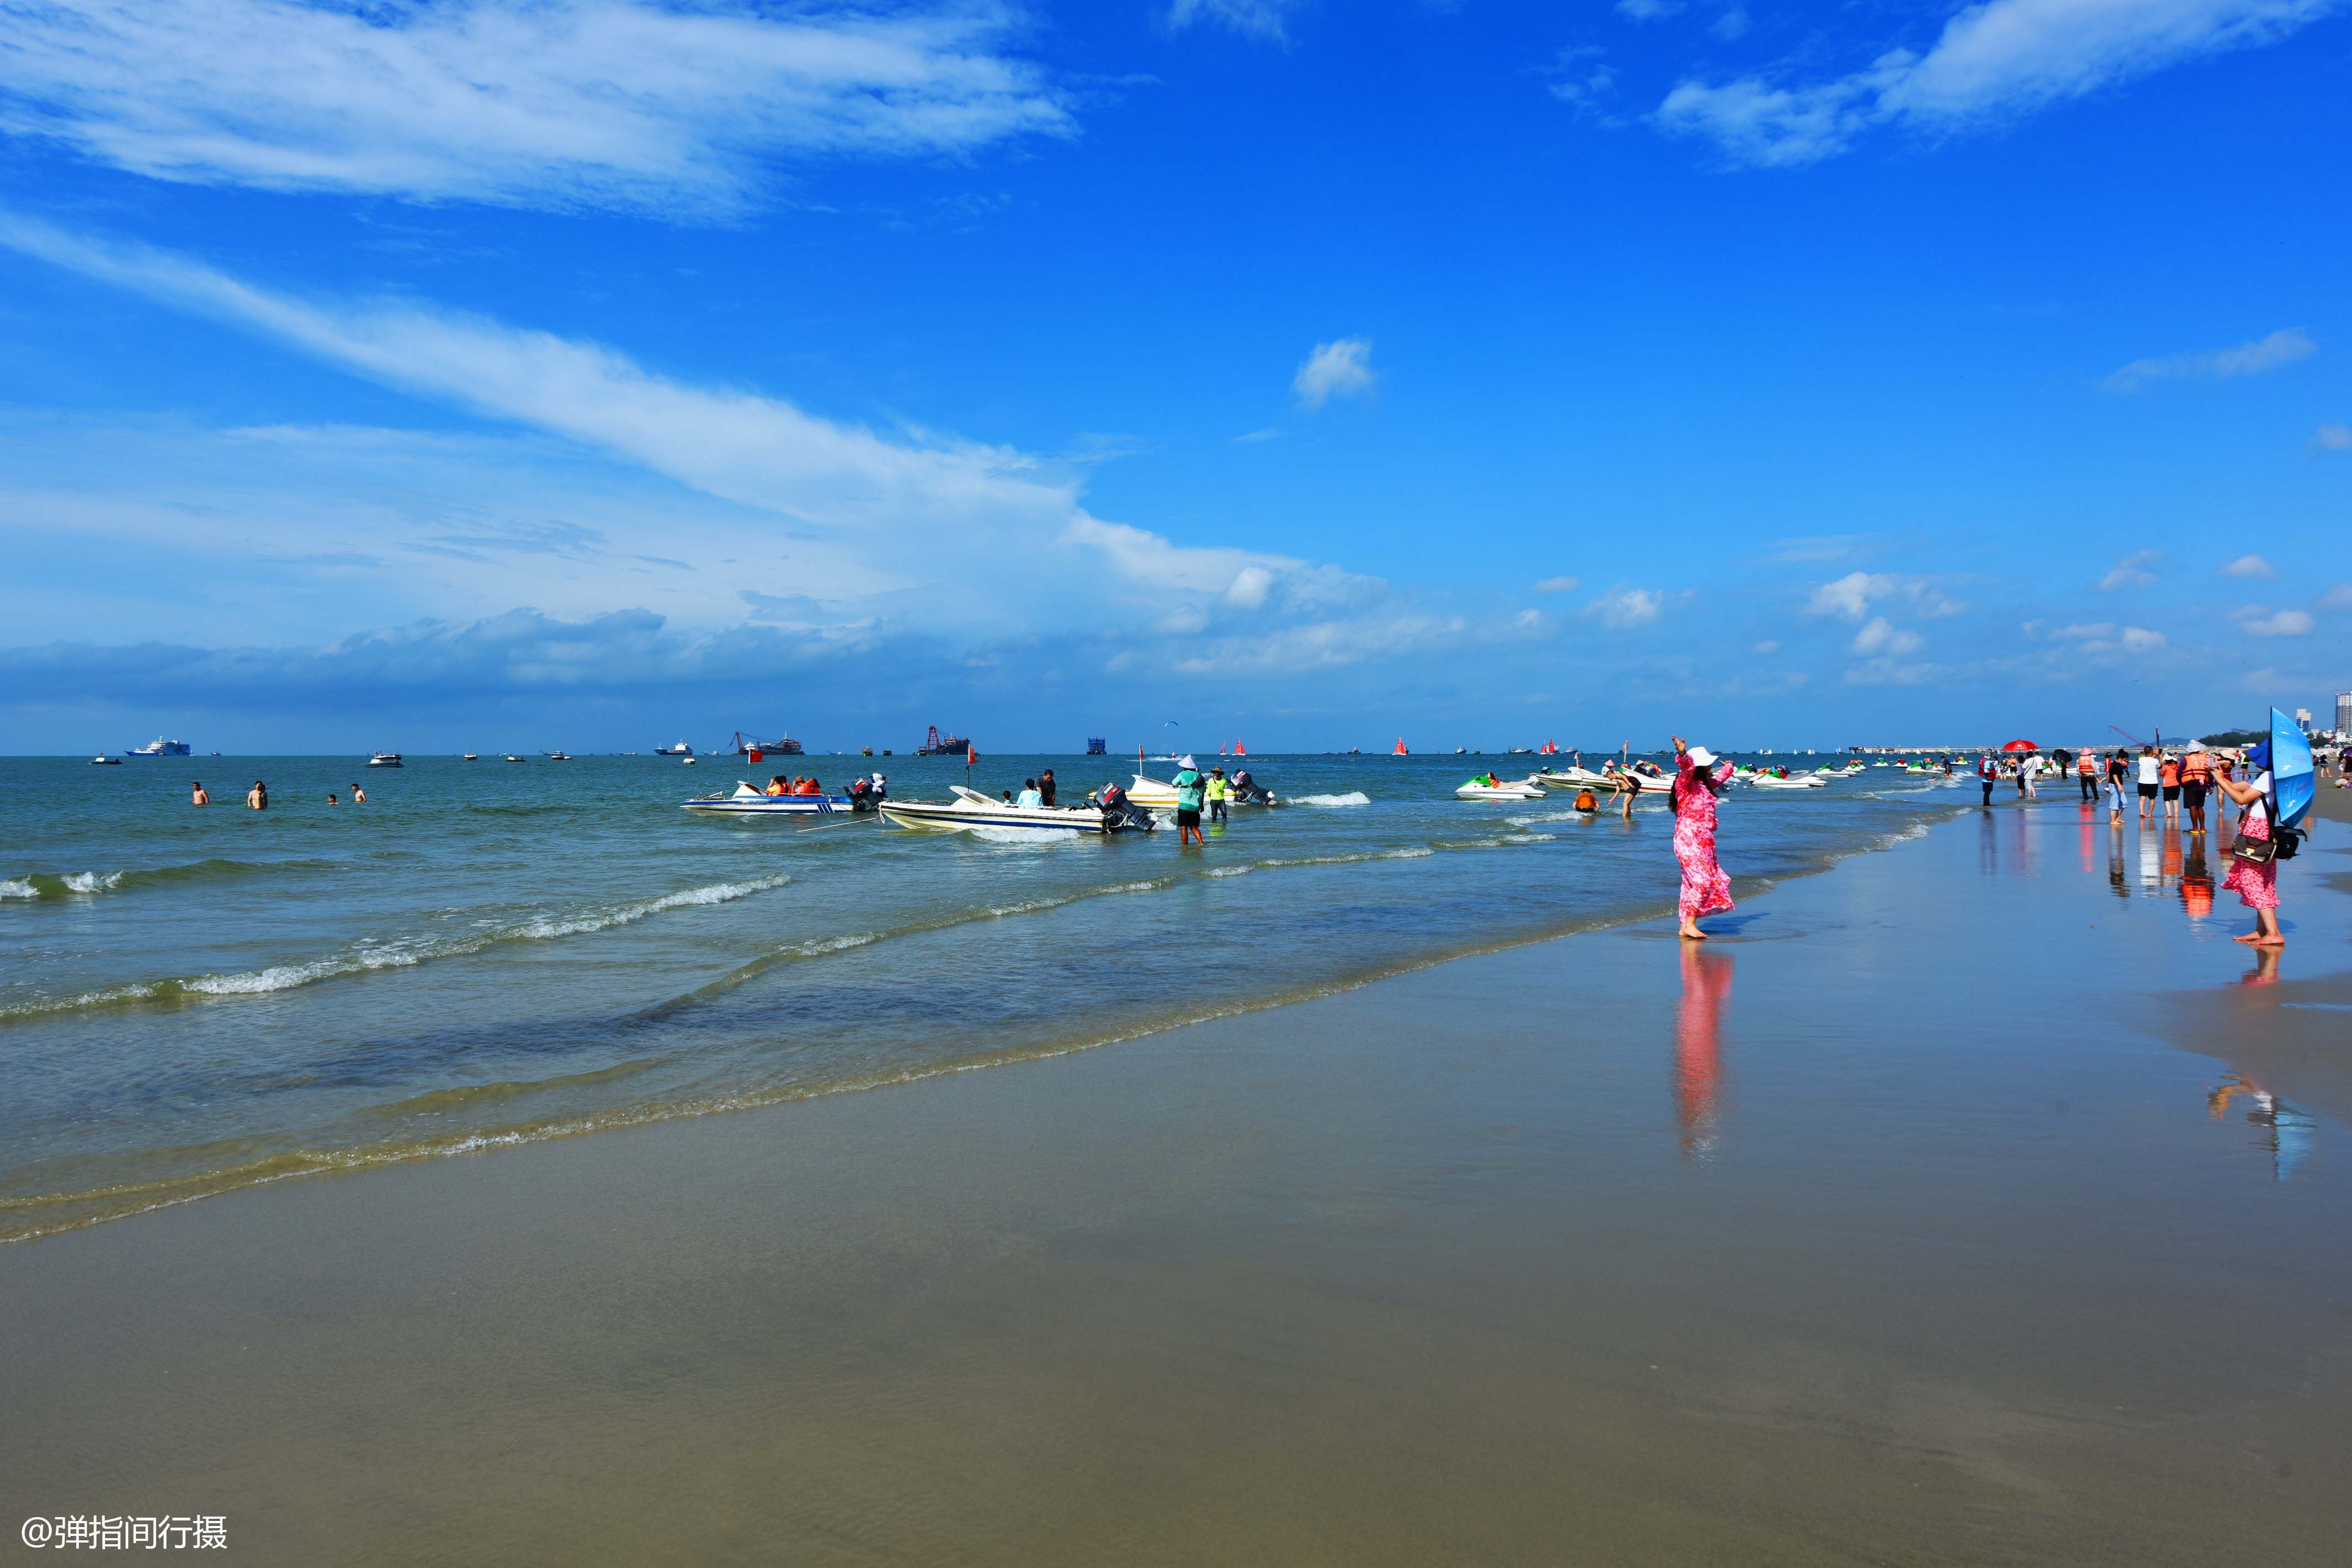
pixel 1216 789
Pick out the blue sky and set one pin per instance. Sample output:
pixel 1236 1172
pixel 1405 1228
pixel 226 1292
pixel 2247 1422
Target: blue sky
pixel 588 373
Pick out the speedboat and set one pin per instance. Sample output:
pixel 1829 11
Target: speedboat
pixel 471 757
pixel 102 761
pixel 1772 781
pixel 748 802
pixel 510 757
pixel 1502 789
pixel 1573 777
pixel 1151 792
pixel 158 746
pixel 971 809
pixel 559 757
pixel 384 759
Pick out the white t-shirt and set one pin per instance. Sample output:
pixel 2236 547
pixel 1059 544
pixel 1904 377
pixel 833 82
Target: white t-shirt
pixel 2262 783
pixel 2149 767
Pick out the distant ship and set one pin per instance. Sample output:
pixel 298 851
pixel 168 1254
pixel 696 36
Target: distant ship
pixel 158 746
pixel 784 746
pixel 1097 746
pixel 938 745
pixel 384 759
pixel 680 750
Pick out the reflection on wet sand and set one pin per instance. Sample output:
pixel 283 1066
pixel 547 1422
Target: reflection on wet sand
pixel 2282 1132
pixel 1698 1048
pixel 2196 882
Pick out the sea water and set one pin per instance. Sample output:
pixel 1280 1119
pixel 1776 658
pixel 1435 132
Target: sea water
pixel 485 953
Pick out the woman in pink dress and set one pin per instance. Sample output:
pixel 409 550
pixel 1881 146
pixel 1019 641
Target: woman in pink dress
pixel 1699 778
pixel 2255 883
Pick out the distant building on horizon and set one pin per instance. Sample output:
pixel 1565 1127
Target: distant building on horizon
pixel 2343 713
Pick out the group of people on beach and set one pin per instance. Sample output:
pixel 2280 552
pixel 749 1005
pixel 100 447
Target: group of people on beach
pixel 2170 783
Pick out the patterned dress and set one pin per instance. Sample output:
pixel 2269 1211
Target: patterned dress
pixel 1706 890
pixel 2255 885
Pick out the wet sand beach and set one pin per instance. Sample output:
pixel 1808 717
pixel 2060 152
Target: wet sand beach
pixel 1961 1205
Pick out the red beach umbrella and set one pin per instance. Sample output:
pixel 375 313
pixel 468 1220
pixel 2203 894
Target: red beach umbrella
pixel 2021 746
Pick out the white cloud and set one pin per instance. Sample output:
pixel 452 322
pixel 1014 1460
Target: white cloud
pixel 1768 646
pixel 2248 565
pixel 2283 623
pixel 1252 437
pixel 2337 598
pixel 1623 608
pixel 1559 585
pixel 1994 61
pixel 2284 347
pixel 2331 438
pixel 1252 18
pixel 1647 10
pixel 1880 636
pixel 2140 640
pixel 1733 24
pixel 1340 369
pixel 1849 598
pixel 2137 569
pixel 562 104
pixel 2094 630
pixel 1249 588
pixel 965 499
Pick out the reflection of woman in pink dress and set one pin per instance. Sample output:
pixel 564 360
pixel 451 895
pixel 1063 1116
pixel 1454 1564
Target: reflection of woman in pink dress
pixel 1699 778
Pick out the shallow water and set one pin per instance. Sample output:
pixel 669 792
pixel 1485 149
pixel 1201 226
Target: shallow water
pixel 193 1001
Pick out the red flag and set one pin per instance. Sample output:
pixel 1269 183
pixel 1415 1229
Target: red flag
pixel 970 754
pixel 755 753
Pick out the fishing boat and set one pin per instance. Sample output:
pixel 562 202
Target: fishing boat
pixel 747 801
pixel 158 746
pixel 384 759
pixel 559 757
pixel 971 809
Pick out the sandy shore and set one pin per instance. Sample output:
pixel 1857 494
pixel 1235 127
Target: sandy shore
pixel 1898 1225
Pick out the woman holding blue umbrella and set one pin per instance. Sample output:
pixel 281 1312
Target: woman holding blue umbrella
pixel 2253 870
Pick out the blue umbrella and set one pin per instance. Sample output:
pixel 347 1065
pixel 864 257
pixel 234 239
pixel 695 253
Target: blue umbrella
pixel 2292 776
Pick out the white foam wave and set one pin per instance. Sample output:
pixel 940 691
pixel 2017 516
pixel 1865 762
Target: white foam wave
pixel 1229 871
pixel 1021 835
pixel 13 888
pixel 82 882
pixel 1353 797
pixel 399 955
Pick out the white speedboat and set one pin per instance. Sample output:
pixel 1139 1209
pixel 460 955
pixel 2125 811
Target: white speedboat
pixel 971 809
pixel 384 759
pixel 1502 789
pixel 1572 778
pixel 1771 781
pixel 104 762
pixel 748 802
pixel 1151 792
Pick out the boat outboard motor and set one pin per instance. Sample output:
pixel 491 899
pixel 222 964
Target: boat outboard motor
pixel 861 795
pixel 1249 792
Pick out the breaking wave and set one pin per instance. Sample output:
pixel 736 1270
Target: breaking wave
pixel 1352 797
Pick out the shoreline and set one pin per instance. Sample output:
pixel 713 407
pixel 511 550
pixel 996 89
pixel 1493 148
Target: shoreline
pixel 1804 1245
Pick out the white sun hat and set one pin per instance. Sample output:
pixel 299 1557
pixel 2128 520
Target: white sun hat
pixel 1185 760
pixel 1701 757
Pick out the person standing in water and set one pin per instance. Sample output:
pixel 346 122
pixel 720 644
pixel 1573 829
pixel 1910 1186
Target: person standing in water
pixel 2253 870
pixel 257 797
pixel 1216 790
pixel 199 798
pixel 359 796
pixel 1191 788
pixel 1699 781
pixel 2196 778
pixel 1988 775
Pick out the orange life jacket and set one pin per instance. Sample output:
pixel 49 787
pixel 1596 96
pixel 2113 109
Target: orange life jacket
pixel 2196 767
pixel 2169 775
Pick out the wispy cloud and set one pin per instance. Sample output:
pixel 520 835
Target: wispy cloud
pixel 967 499
pixel 1266 19
pixel 2258 621
pixel 2137 569
pixel 1994 61
pixel 1342 367
pixel 1851 596
pixel 1559 585
pixel 2251 566
pixel 2337 598
pixel 2331 438
pixel 1621 608
pixel 1880 636
pixel 2282 347
pixel 561 104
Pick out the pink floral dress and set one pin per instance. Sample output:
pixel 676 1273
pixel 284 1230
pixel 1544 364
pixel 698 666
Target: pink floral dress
pixel 1706 890
pixel 2255 885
